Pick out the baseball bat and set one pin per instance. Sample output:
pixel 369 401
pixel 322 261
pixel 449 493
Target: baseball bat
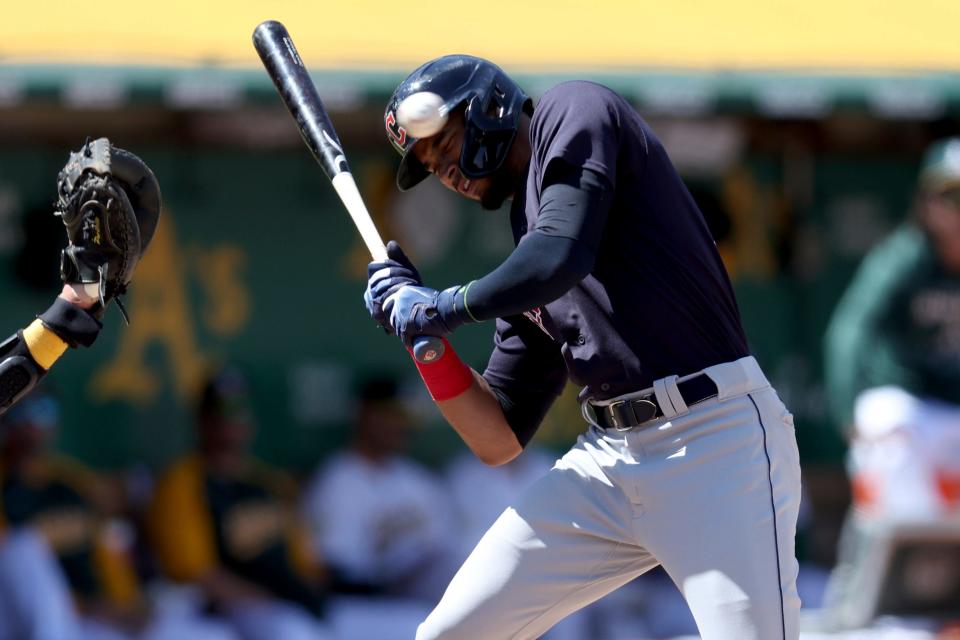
pixel 299 94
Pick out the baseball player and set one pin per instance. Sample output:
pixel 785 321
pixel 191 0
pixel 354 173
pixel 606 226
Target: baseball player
pixel 382 522
pixel 893 356
pixel 109 201
pixel 689 459
pixel 98 593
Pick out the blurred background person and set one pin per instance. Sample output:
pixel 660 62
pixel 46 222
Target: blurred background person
pixel 893 356
pixel 228 523
pixel 35 600
pixel 893 372
pixel 223 521
pixel 382 521
pixel 73 509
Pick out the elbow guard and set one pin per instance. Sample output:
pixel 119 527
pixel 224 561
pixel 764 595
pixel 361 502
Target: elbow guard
pixel 19 372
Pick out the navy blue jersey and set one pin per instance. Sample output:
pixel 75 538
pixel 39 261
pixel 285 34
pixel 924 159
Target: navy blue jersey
pixel 658 301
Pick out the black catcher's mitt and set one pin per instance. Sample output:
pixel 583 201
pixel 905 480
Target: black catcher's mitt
pixel 109 201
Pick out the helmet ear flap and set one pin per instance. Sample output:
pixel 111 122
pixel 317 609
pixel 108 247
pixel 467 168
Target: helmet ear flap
pixel 490 121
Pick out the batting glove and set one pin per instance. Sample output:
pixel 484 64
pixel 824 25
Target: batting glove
pixel 421 311
pixel 384 278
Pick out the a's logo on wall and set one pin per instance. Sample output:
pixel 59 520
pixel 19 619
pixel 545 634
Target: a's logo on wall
pixel 535 316
pixel 398 135
pixel 165 316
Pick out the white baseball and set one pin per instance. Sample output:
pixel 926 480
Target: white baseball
pixel 422 114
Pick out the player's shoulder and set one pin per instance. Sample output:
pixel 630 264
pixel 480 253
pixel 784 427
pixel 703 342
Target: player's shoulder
pixel 341 463
pixel 580 97
pixel 577 91
pixel 907 237
pixel 182 471
pixel 339 471
pixel 62 467
pixel 905 247
pixel 576 104
pixel 897 264
pixel 179 484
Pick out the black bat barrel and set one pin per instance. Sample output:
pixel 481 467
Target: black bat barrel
pixel 286 69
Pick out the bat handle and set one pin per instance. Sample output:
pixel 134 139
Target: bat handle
pixel 427 349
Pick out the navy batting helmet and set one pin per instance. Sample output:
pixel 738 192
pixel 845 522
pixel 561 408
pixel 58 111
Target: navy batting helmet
pixel 493 104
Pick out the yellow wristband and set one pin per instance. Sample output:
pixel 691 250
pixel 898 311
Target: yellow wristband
pixel 45 346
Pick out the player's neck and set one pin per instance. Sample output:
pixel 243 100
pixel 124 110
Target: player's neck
pixel 517 162
pixel 519 157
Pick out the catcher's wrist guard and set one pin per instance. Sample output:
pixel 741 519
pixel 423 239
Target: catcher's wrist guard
pixel 109 201
pixel 19 372
pixel 26 356
pixel 75 326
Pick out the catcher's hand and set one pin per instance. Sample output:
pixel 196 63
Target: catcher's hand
pixel 109 201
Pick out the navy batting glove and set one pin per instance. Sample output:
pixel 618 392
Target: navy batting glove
pixel 384 278
pixel 422 311
pixel 396 257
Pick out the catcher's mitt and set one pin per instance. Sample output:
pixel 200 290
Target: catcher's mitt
pixel 109 201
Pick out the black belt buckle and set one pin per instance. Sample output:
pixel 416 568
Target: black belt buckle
pixel 627 414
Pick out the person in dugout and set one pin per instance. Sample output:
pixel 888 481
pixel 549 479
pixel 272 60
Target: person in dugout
pixel 220 520
pixel 73 509
pixel 893 356
pixel 226 522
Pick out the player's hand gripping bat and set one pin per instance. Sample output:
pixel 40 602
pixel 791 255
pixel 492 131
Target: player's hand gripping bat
pixel 298 92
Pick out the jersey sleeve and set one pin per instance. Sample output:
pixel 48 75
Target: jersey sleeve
pixel 301 555
pixel 578 123
pixel 861 349
pixel 179 524
pixel 527 372
pixel 85 481
pixel 115 569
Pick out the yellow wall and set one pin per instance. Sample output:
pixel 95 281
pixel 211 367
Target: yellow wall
pixel 854 34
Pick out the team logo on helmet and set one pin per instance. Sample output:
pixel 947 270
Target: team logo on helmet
pixel 398 135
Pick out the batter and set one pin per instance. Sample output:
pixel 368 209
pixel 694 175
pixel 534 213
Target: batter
pixel 689 459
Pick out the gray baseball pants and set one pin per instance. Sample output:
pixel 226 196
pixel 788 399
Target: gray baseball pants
pixel 710 492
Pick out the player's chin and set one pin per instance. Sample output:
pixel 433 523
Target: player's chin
pixel 496 192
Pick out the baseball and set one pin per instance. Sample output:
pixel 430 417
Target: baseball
pixel 422 114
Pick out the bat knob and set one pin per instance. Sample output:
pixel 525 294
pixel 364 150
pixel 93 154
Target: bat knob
pixel 427 349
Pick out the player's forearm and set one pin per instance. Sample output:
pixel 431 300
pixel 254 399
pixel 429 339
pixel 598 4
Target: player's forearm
pixel 539 271
pixel 27 355
pixel 61 326
pixel 557 254
pixel 470 406
pixel 48 337
pixel 477 417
